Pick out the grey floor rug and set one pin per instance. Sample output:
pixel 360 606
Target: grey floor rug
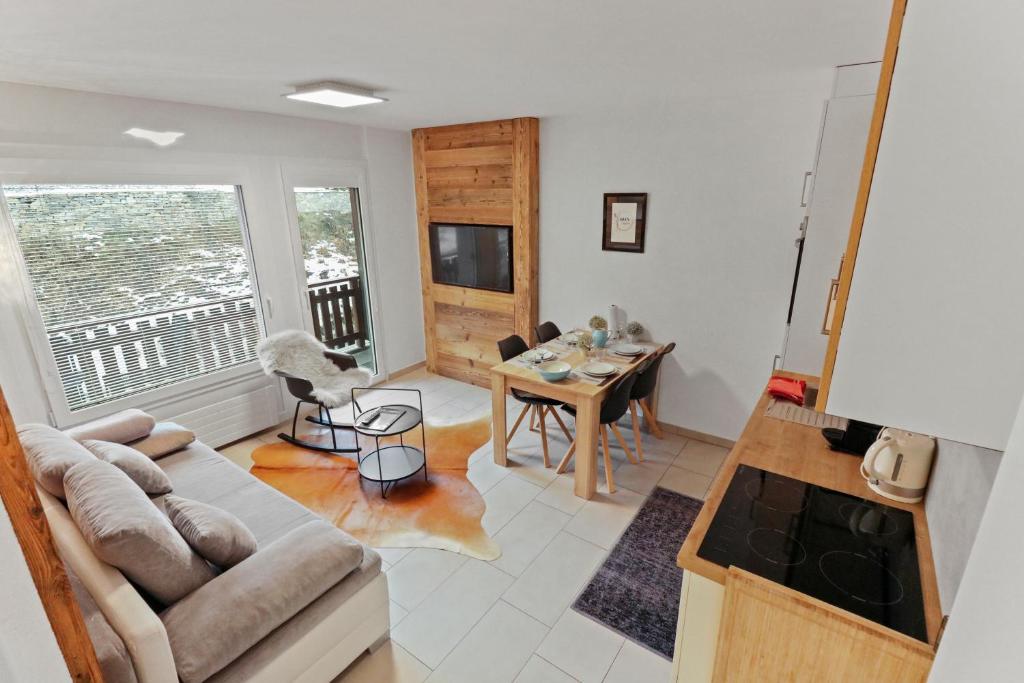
pixel 636 590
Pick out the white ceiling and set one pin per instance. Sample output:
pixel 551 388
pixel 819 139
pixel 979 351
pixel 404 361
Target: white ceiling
pixel 440 61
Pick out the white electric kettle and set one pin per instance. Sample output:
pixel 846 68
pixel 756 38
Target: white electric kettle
pixel 897 465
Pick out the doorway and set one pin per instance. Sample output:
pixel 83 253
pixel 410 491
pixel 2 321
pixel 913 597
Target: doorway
pixel 334 267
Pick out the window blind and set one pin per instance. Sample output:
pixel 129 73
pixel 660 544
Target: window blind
pixel 138 286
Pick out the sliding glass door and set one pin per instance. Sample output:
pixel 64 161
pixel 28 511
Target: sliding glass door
pixel 334 269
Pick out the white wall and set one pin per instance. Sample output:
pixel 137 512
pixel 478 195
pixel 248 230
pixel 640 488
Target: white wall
pixel 724 178
pixel 933 333
pixel 47 127
pixel 389 154
pixel 28 648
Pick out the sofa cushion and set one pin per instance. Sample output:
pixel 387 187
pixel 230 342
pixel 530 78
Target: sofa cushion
pixel 199 473
pixel 289 634
pixel 216 535
pixel 50 454
pixel 166 438
pixel 125 529
pixel 127 425
pixel 138 467
pixel 220 621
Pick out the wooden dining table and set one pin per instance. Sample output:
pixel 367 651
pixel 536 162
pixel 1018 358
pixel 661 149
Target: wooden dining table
pixel 586 396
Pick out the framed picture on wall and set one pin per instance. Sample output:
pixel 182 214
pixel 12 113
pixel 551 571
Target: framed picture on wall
pixel 625 221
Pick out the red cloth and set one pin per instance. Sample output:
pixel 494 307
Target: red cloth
pixel 787 389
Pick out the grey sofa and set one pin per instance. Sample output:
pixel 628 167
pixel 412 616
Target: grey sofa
pixel 316 643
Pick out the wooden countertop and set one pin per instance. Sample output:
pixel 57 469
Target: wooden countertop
pixel 799 451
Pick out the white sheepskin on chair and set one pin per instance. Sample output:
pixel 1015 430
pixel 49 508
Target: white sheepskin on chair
pixel 300 354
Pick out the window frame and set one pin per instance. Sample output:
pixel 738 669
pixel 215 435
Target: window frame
pixel 61 172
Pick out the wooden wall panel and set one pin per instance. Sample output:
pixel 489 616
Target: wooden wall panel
pixel 471 177
pixel 471 135
pixel 482 173
pixel 471 205
pixel 468 156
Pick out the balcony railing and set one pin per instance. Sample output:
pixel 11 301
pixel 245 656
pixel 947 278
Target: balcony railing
pixel 105 360
pixel 339 313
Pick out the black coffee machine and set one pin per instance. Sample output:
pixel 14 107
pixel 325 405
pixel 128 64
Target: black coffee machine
pixel 855 439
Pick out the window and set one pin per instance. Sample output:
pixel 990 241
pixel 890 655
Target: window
pixel 138 286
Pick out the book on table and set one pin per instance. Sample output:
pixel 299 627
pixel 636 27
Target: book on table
pixel 382 419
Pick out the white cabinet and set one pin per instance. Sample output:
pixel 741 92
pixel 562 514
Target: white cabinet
pixel 933 338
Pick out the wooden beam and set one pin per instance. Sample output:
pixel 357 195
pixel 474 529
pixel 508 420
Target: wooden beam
pixel 18 491
pixel 423 223
pixel 525 223
pixel 860 208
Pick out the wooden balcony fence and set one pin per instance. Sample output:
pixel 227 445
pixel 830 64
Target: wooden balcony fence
pixel 339 313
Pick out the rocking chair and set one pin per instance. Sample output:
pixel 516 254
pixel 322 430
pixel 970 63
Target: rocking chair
pixel 272 354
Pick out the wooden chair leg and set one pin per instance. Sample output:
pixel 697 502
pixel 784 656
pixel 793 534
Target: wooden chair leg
pixel 558 418
pixel 519 421
pixel 533 420
pixel 544 435
pixel 652 418
pixel 607 460
pixel 637 436
pixel 622 442
pixel 566 458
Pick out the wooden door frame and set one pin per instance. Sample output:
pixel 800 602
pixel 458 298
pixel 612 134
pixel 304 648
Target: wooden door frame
pixel 18 491
pixel 860 208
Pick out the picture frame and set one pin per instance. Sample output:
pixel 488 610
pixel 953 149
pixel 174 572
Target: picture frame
pixel 625 221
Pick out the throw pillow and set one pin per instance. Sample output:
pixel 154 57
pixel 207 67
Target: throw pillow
pixel 138 467
pixel 125 529
pixel 127 425
pixel 50 454
pixel 216 534
pixel 165 438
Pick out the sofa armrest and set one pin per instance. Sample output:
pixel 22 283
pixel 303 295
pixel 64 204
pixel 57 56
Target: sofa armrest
pixel 126 611
pixel 217 623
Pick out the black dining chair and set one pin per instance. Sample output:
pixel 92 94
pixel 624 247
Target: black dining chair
pixel 540 406
pixel 547 331
pixel 612 410
pixel 646 381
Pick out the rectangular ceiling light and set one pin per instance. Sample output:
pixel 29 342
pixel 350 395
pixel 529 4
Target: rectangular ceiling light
pixel 334 94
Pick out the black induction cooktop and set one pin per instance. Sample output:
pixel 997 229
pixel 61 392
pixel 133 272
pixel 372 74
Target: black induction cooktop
pixel 853 553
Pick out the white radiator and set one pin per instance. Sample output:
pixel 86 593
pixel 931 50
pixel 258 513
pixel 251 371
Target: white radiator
pixel 234 418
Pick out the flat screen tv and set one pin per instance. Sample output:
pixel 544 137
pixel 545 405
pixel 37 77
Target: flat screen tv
pixel 478 256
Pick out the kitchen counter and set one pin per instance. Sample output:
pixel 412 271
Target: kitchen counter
pixel 800 452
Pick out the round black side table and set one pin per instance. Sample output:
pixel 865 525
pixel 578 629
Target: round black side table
pixel 388 465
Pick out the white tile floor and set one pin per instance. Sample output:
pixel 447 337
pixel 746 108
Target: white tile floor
pixel 458 619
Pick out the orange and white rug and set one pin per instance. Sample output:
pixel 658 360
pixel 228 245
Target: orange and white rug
pixel 443 512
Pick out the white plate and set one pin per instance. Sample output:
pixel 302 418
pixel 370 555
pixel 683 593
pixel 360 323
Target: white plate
pixel 538 355
pixel 598 369
pixel 629 350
